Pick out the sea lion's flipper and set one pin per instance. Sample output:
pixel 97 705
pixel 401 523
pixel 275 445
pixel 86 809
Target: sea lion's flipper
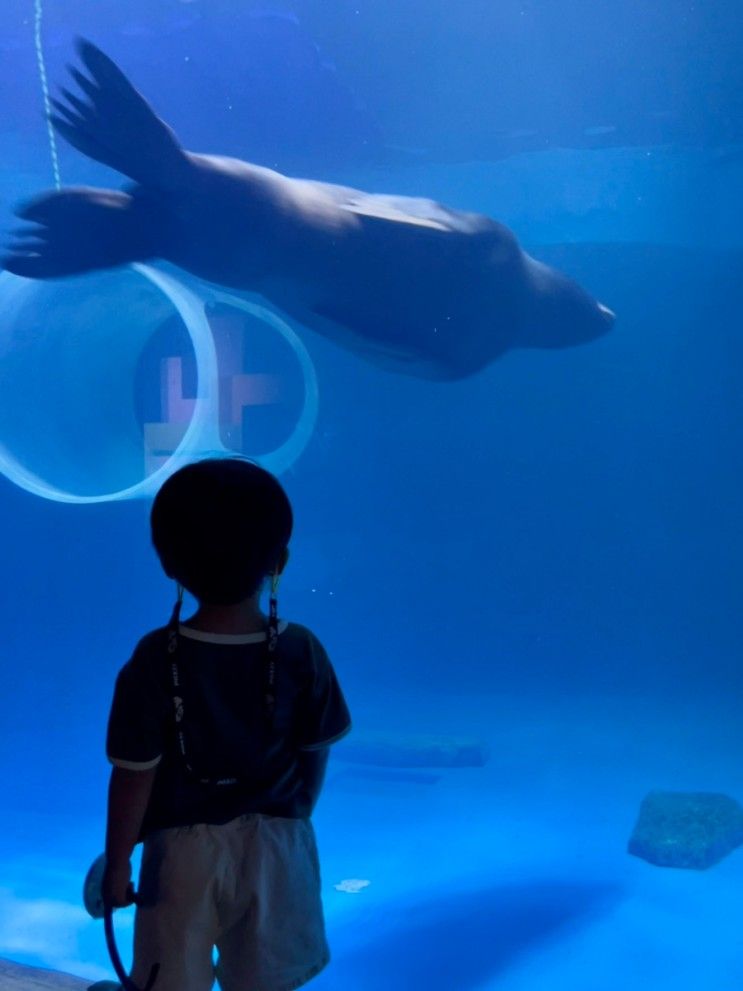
pixel 77 230
pixel 385 212
pixel 420 212
pixel 115 125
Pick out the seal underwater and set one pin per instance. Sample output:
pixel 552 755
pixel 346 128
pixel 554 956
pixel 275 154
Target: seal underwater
pixel 404 282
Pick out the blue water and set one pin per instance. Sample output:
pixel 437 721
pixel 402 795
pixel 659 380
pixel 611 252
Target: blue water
pixel 543 559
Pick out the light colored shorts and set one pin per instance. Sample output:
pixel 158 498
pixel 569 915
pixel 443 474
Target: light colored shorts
pixel 250 888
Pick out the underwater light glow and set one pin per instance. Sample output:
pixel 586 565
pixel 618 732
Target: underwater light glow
pixel 70 382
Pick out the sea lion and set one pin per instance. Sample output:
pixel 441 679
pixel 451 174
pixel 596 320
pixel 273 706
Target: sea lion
pixel 406 282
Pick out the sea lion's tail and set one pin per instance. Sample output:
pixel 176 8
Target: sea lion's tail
pixel 116 125
pixel 78 230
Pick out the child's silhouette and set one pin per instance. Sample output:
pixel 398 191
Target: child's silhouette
pixel 219 734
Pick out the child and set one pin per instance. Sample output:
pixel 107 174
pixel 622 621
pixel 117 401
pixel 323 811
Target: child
pixel 219 734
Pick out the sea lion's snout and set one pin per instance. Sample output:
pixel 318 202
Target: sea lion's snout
pixel 608 315
pixel 590 319
pixel 559 313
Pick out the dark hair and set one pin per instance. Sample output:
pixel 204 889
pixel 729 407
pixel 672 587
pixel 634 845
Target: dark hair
pixel 219 527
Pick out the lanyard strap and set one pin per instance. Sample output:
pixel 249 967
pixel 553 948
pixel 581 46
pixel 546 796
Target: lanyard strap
pixel 272 642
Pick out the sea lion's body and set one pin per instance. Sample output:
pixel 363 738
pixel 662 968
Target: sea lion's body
pixel 418 288
pixel 406 282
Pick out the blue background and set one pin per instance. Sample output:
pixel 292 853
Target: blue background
pixel 545 557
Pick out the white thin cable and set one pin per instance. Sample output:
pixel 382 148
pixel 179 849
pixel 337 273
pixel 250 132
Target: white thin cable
pixel 38 15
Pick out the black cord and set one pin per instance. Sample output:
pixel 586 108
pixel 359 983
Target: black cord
pixel 272 642
pixel 126 982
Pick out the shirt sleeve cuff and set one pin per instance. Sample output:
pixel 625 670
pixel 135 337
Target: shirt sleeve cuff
pixel 326 743
pixel 132 765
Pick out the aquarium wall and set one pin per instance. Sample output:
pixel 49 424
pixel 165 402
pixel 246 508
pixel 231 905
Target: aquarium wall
pixel 527 576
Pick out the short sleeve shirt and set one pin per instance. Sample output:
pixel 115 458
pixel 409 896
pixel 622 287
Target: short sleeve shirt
pixel 211 723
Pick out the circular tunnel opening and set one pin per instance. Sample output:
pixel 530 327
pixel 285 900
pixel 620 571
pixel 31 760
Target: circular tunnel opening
pixel 111 381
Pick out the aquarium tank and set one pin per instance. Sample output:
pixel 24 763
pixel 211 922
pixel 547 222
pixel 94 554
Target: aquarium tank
pixel 474 300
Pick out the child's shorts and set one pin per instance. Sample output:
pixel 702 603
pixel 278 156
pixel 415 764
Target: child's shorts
pixel 250 888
